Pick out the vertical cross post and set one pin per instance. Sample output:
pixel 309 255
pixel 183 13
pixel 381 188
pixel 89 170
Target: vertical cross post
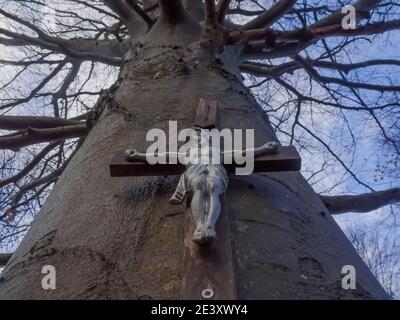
pixel 208 270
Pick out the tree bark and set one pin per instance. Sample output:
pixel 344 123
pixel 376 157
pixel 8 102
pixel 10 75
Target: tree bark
pixel 118 238
pixel 4 257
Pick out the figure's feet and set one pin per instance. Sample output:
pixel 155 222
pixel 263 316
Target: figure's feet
pixel 203 236
pixel 209 234
pixel 198 235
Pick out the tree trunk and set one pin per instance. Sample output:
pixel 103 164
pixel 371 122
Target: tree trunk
pixel 118 238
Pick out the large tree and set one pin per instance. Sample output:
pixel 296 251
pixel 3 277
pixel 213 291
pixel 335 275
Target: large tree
pixel 66 114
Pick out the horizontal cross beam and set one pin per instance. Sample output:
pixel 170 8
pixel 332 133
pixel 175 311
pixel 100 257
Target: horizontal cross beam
pixel 287 159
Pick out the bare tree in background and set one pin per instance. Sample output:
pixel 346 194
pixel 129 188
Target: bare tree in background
pixel 84 79
pixel 380 249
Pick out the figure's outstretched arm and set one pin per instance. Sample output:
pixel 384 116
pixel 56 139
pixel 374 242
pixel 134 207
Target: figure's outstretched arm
pixel 132 155
pixel 270 147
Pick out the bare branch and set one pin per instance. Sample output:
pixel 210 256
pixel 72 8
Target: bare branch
pixel 96 8
pixel 149 6
pixel 223 6
pixel 172 10
pixel 271 15
pixel 24 122
pixel 41 85
pixel 45 181
pixel 29 62
pixel 335 156
pixel 297 40
pixel 210 13
pixel 361 203
pixel 323 79
pixel 35 161
pixel 32 136
pixel 269 71
pixel 119 7
pixel 302 97
pixel 10 213
pixel 103 51
pixel 299 35
pixel 264 70
pixel 368 29
pixel 363 7
pixel 347 67
pixel 146 18
pixel 74 48
pixel 62 93
pixel 194 8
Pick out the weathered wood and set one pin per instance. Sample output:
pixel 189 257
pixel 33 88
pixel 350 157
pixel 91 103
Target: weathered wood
pixel 210 267
pixel 287 159
pixel 207 114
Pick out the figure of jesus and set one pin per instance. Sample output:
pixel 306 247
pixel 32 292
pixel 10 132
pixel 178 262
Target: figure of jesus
pixel 205 178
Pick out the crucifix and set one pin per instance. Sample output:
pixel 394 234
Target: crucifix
pixel 208 269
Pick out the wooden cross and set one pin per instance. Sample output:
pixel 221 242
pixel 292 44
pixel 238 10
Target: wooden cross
pixel 207 271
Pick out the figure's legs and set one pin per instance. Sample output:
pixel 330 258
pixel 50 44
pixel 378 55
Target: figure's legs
pixel 198 206
pixel 214 209
pixel 214 212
